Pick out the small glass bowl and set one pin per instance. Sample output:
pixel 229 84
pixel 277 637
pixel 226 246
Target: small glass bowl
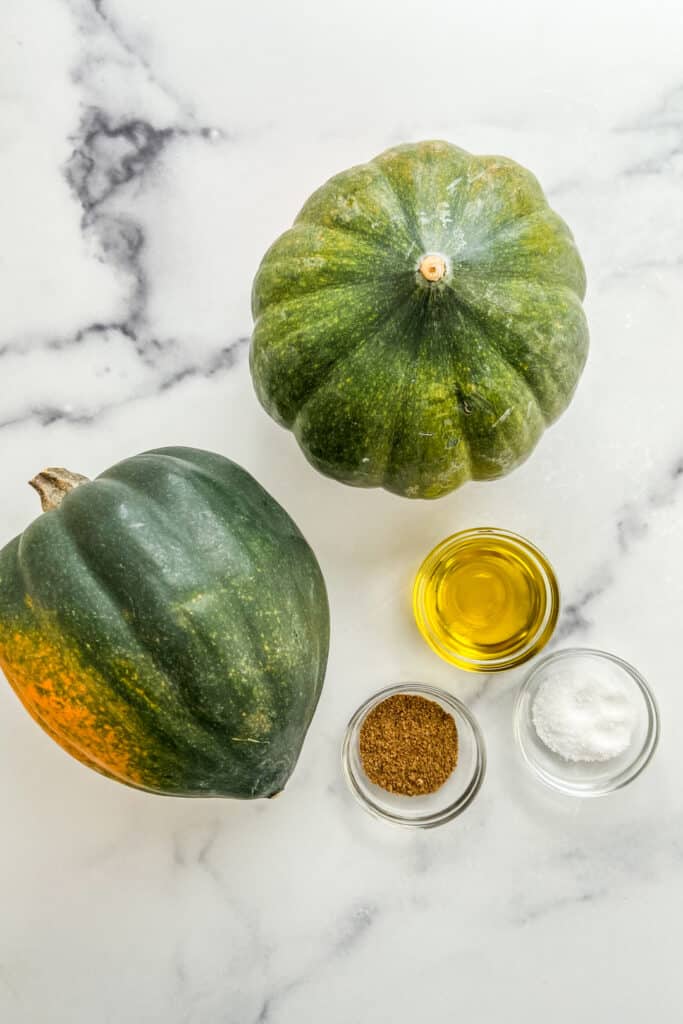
pixel 500 656
pixel 433 809
pixel 586 778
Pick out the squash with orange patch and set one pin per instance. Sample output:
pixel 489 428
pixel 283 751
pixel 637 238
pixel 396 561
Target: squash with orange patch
pixel 167 624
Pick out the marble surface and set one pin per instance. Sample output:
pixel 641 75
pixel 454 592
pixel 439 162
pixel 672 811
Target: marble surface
pixel 150 153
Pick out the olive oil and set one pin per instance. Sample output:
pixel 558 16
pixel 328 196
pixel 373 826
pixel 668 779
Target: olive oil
pixel 486 600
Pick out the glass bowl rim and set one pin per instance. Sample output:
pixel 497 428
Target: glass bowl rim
pixel 641 758
pixel 545 629
pixel 453 809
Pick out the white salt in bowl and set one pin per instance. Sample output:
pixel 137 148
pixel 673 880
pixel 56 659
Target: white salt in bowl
pixel 586 778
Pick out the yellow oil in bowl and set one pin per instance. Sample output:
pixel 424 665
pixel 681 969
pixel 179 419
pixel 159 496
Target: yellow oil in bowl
pixel 486 600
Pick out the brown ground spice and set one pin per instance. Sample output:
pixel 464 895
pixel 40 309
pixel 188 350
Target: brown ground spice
pixel 408 745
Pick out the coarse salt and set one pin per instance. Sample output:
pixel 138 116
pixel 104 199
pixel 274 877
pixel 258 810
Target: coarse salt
pixel 586 712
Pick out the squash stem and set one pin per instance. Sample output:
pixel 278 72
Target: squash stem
pixel 54 484
pixel 432 267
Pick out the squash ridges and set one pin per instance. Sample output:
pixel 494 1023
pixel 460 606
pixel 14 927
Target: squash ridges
pixel 366 339
pixel 515 277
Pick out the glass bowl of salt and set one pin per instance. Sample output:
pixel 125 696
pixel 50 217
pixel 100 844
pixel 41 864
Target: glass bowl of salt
pixel 586 722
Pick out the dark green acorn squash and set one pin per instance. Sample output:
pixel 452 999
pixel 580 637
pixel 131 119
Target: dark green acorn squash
pixel 167 624
pixel 421 323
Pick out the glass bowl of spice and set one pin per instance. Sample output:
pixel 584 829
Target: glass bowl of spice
pixel 414 755
pixel 586 722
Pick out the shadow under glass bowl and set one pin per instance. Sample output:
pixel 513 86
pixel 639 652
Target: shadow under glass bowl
pixel 586 778
pixel 433 809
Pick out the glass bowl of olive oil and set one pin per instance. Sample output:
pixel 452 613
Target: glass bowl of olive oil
pixel 486 600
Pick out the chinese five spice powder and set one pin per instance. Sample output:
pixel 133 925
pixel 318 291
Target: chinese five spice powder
pixel 408 745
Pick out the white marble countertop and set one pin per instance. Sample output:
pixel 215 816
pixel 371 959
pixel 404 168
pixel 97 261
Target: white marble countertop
pixel 150 153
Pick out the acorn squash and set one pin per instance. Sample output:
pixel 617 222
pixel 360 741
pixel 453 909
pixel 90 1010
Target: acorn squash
pixel 421 323
pixel 167 624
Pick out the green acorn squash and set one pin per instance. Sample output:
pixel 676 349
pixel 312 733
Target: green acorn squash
pixel 421 323
pixel 167 624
